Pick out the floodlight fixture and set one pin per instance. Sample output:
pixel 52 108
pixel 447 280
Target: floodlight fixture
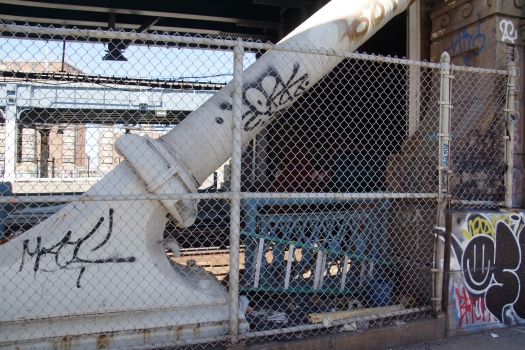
pixel 115 51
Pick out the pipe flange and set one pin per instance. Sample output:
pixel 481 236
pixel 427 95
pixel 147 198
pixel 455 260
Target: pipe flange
pixel 162 173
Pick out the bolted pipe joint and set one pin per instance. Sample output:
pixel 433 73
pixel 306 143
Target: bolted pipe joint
pixel 162 173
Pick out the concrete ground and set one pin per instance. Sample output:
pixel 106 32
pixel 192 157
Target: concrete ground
pixel 511 338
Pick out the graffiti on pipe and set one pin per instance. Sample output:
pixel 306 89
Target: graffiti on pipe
pixel 371 13
pixel 67 254
pixel 445 154
pixel 488 253
pixel 269 94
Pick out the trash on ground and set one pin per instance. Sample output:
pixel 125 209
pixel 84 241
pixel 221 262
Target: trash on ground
pixel 263 319
pixel 339 315
pixel 244 305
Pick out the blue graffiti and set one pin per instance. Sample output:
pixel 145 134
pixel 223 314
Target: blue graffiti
pixel 470 45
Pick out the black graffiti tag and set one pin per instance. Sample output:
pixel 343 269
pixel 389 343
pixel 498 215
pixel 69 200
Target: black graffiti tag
pixel 507 259
pixel 495 268
pixel 267 95
pixel 519 304
pixel 64 258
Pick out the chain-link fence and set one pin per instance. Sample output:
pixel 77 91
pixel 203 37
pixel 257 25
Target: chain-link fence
pixel 478 131
pixel 149 203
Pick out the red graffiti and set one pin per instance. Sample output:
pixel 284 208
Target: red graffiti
pixel 472 306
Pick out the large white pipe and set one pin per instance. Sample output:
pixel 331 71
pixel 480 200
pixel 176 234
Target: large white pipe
pixel 276 80
pixel 202 142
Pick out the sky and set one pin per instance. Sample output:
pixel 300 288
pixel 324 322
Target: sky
pixel 143 62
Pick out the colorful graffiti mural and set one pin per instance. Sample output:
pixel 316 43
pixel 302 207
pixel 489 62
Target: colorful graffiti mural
pixel 487 269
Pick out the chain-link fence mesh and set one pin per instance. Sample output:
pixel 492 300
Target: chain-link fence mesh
pixel 110 243
pixel 318 259
pixel 478 129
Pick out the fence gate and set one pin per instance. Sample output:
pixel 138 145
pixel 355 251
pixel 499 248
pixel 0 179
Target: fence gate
pixel 149 202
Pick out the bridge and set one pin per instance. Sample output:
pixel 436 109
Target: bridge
pixel 42 100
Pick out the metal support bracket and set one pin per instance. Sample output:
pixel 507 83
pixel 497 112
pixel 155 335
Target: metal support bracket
pixel 445 104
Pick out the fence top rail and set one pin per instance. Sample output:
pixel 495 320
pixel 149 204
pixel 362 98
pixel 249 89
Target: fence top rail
pixel 455 68
pixel 222 43
pixel 248 197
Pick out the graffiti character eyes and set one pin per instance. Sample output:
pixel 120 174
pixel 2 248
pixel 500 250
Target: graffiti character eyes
pixel 478 260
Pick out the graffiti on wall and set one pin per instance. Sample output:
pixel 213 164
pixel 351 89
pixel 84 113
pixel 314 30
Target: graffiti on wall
pixel 517 178
pixel 467 43
pixel 507 31
pixel 471 309
pixel 487 251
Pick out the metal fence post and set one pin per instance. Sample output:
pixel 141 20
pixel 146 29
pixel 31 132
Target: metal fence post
pixel 443 161
pixel 235 209
pixel 10 114
pixel 509 142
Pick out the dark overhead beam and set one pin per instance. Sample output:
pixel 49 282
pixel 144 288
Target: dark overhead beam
pixel 226 35
pixel 148 24
pixel 260 24
pixel 68 18
pixel 101 24
pixel 111 23
pixel 116 48
pixel 55 37
pixel 295 4
pixel 161 25
pixel 204 17
pixel 73 7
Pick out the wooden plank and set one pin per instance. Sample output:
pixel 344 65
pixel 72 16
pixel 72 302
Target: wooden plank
pixel 319 270
pixel 345 271
pixel 351 291
pixel 216 262
pixel 339 315
pixel 288 267
pixel 258 263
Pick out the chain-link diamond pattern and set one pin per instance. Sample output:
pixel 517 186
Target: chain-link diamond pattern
pixel 338 177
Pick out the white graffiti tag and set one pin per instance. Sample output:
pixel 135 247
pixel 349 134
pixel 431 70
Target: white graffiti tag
pixel 509 33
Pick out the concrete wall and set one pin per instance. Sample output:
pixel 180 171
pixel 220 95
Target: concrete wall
pixel 485 266
pixel 486 33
